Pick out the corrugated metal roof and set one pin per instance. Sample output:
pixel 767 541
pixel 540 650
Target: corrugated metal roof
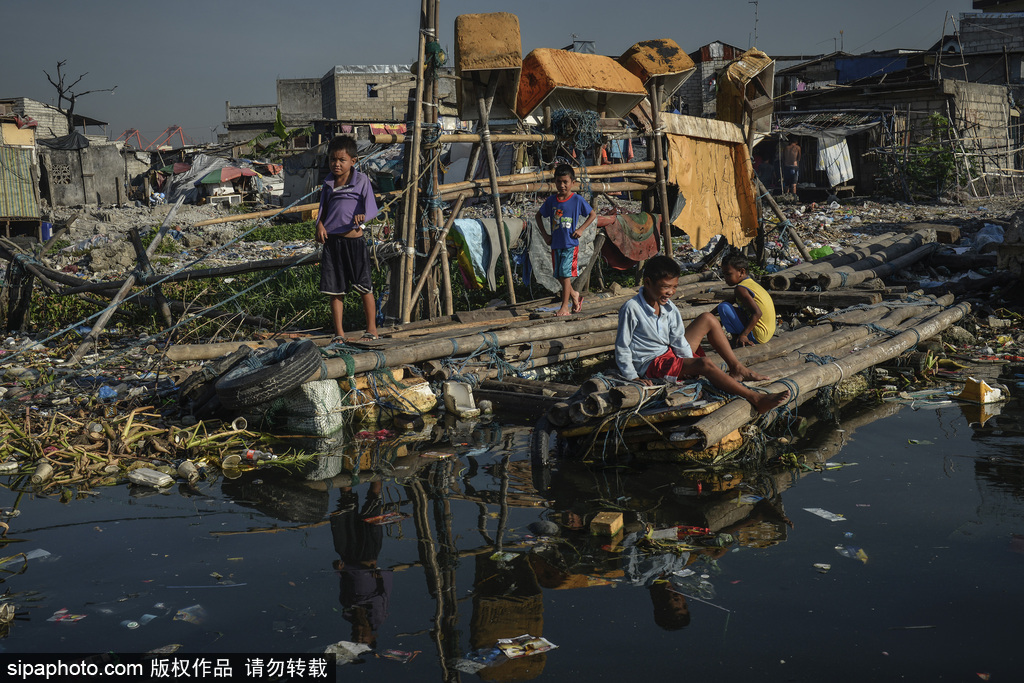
pixel 17 184
pixel 825 119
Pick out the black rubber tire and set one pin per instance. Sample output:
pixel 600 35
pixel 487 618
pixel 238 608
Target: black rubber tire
pixel 243 386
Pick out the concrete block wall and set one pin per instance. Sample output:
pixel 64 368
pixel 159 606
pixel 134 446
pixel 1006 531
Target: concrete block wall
pixel 991 33
pixel 52 122
pixel 250 113
pixel 299 100
pixel 345 97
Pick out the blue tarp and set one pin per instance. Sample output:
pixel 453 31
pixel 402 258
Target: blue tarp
pixel 854 68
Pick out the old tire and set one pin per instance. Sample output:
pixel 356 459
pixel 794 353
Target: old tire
pixel 268 374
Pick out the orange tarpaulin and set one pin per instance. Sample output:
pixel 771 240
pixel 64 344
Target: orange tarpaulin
pixel 715 178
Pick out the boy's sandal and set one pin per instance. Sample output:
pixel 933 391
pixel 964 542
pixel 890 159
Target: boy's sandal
pixel 579 306
pixel 339 339
pixel 369 337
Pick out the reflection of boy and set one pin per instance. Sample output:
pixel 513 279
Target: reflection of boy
pixel 364 590
pixel 652 343
pixel 570 215
pixel 752 320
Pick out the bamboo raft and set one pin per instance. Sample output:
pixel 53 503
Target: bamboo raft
pixel 509 354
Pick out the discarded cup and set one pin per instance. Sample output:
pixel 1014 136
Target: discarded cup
pixel 42 474
pixel 187 470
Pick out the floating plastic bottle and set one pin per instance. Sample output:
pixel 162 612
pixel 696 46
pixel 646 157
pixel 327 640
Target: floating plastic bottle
pixel 147 477
pixel 253 455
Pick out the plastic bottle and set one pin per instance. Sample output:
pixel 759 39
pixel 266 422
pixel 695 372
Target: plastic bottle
pixel 253 455
pixel 148 477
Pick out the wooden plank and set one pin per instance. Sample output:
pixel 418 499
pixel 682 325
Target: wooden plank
pixel 482 315
pixel 706 129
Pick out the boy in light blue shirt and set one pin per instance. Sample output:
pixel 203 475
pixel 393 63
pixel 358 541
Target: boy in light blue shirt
pixel 653 343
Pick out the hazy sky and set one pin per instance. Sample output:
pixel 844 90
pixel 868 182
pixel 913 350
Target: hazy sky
pixel 176 63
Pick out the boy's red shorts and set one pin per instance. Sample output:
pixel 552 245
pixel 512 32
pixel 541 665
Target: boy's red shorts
pixel 669 364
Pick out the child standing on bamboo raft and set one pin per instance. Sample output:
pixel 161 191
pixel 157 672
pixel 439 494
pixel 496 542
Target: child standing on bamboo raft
pixel 570 215
pixel 346 201
pixel 652 342
pixel 751 320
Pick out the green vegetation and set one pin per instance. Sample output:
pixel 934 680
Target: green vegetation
pixel 925 169
pixel 285 232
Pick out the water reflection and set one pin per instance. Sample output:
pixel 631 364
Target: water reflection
pixel 445 540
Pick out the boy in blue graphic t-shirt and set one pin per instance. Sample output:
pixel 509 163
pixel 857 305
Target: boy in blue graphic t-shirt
pixel 570 215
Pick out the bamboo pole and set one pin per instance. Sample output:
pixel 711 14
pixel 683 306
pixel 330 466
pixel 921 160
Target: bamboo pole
pixel 439 246
pixel 657 138
pixel 256 214
pixel 484 102
pixel 640 183
pixel 519 178
pixel 412 179
pixel 715 427
pixel 449 138
pixel 101 322
pixel 804 254
pixel 147 267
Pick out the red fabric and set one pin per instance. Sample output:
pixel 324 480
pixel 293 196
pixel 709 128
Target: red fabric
pixel 667 364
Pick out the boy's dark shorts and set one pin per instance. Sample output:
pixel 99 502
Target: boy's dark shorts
pixel 345 266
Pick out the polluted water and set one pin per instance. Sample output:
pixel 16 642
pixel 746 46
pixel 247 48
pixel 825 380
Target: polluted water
pixel 448 552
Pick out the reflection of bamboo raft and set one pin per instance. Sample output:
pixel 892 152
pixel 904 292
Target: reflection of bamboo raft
pixel 508 603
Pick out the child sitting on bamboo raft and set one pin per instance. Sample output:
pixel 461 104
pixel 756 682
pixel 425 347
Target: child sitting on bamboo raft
pixel 751 320
pixel 652 342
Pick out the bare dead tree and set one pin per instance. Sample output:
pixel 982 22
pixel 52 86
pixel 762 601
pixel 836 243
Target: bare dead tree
pixel 66 93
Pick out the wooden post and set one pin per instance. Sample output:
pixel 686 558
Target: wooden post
pixel 146 267
pixel 484 102
pixel 101 322
pixel 412 175
pixel 657 136
pixel 804 254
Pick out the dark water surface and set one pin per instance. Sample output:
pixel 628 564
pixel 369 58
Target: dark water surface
pixel 940 524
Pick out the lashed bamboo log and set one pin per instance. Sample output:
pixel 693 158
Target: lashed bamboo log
pixel 891 249
pixel 713 428
pixel 783 279
pixel 520 178
pixel 841 278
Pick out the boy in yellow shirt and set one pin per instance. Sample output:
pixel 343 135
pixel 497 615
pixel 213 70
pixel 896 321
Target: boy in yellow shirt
pixel 751 320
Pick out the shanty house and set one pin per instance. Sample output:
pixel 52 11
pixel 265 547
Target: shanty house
pixel 697 96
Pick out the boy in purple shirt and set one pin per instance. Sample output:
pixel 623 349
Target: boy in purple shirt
pixel 346 201
pixel 566 209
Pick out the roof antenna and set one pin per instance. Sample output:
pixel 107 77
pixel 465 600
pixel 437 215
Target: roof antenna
pixel 754 3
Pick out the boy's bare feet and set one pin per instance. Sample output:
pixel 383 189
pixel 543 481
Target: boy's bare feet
pixel 562 312
pixel 766 402
pixel 742 373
